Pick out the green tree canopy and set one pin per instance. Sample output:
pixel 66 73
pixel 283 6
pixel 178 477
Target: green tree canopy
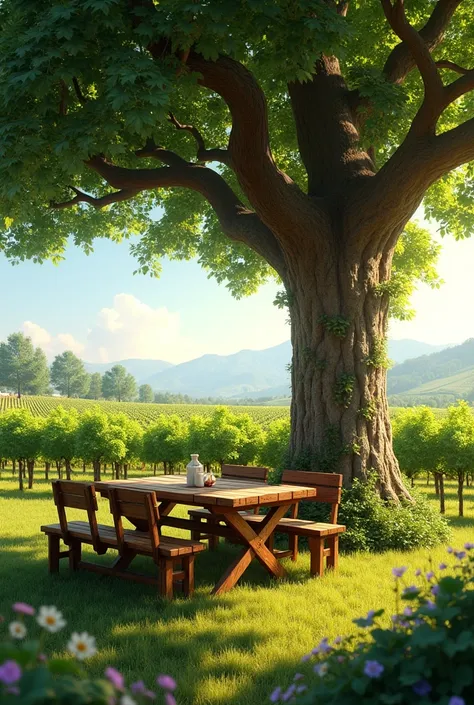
pixel 23 368
pixel 68 375
pixel 95 386
pixel 98 440
pixel 58 440
pixel 166 441
pixel 118 384
pixel 145 393
pixel 20 439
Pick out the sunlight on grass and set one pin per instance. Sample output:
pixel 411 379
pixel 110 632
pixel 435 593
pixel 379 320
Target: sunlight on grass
pixel 232 649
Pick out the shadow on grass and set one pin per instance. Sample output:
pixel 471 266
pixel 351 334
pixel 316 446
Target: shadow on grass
pixel 26 494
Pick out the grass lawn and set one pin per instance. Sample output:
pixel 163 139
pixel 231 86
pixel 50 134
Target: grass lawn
pixel 233 649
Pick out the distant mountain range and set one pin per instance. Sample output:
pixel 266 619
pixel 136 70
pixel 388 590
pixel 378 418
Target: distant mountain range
pixel 248 373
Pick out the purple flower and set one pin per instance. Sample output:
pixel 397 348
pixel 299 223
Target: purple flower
pixel 170 699
pixel 138 688
pixel 468 546
pixel 399 572
pixel 460 555
pixel 275 696
pixel 450 549
pixel 456 700
pixel 10 672
pixel 408 611
pixel 322 648
pixel 410 590
pixel 341 659
pixel 338 640
pixel 373 669
pixel 23 608
pixel 430 605
pixel 435 590
pixel 422 688
pixel 418 572
pixel 306 657
pixel 442 566
pixel 301 689
pixel 166 682
pixel 430 575
pixel 115 677
pixel 289 693
pixel 298 676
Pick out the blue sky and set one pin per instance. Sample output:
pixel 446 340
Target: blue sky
pixel 102 311
pixel 96 307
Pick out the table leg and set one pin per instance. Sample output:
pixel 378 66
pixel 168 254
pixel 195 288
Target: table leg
pixel 256 548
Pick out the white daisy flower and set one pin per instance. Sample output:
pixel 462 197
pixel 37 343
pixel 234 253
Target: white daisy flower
pixel 82 646
pixel 127 700
pixel 51 619
pixel 17 630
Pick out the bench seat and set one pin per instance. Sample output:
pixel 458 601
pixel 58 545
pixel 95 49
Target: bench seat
pixel 140 541
pixel 301 527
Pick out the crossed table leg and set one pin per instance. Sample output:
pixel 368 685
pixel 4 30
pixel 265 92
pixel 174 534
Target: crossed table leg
pixel 255 545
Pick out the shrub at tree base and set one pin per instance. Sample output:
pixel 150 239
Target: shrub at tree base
pixel 376 525
pixel 29 676
pixel 425 656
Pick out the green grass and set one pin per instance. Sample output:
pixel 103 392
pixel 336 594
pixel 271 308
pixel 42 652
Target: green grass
pixel 233 649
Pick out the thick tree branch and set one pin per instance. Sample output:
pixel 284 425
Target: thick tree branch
pixel 166 156
pixel 401 60
pixel 427 116
pixel 453 148
pixel 203 155
pixel 79 94
pixel 460 87
pixel 237 221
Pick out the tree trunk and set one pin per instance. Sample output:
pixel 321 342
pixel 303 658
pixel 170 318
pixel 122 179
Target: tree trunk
pixel 442 503
pixel 83 468
pixel 339 411
pixel 117 470
pixel 96 468
pixel 47 467
pixel 13 468
pixel 67 465
pixel 58 468
pixel 20 475
pixel 31 469
pixel 125 471
pixel 436 479
pixel 461 492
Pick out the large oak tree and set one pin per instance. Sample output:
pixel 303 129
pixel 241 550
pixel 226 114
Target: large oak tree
pixel 295 137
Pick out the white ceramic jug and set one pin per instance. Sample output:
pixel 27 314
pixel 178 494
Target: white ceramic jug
pixel 192 469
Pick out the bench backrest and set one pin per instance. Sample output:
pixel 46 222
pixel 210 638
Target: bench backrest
pixel 76 495
pixel 245 472
pixel 328 485
pixel 135 504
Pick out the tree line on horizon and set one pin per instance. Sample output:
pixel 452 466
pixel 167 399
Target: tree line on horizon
pixel 24 369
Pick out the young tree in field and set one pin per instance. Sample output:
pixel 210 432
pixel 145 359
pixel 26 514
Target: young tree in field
pixel 288 138
pixel 275 445
pixel 68 375
pixel 416 445
pixel 166 441
pixel 252 437
pixel 456 445
pixel 118 384
pixel 224 437
pixel 58 441
pixel 95 386
pixel 133 439
pixel 20 440
pixel 146 393
pixel 98 441
pixel 22 367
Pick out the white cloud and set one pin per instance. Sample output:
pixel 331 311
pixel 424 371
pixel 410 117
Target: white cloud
pixel 52 345
pixel 129 329
pixel 132 329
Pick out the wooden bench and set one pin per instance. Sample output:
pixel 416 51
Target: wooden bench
pixel 165 551
pixel 208 520
pixel 323 538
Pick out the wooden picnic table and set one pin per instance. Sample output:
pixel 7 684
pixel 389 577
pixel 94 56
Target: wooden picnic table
pixel 226 499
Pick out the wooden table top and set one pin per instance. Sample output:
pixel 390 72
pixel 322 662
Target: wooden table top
pixel 226 492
